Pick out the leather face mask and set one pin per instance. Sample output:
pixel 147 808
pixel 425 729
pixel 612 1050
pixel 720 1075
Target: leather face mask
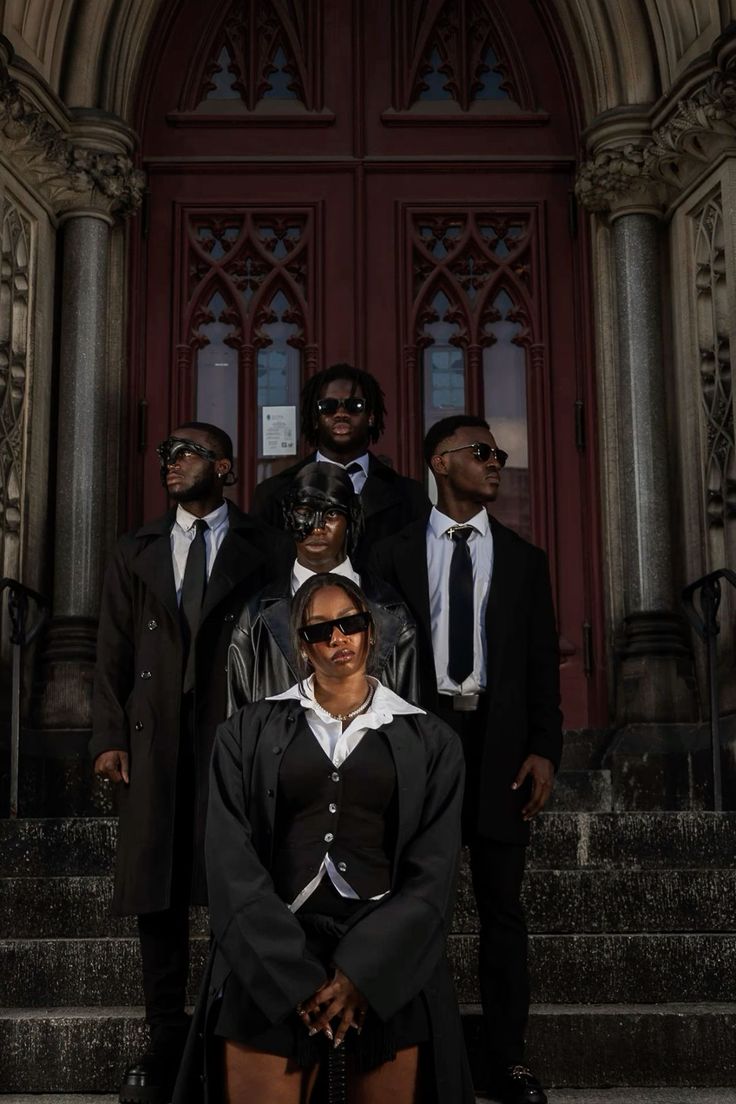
pixel 174 447
pixel 302 517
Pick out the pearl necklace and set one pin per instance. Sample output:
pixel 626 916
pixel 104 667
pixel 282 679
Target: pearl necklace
pixel 353 712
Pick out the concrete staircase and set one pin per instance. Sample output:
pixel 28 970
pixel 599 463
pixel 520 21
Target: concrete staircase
pixel 633 952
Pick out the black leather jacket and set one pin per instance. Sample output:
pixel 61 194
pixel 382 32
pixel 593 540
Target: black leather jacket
pixel 260 658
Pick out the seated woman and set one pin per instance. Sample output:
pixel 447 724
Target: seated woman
pixel 325 518
pixel 333 837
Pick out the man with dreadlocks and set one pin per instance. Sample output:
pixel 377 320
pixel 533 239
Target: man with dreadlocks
pixel 342 414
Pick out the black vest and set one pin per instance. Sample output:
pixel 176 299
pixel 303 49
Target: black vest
pixel 348 811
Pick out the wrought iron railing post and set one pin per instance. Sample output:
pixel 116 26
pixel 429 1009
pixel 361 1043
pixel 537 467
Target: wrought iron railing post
pixel 18 599
pixel 705 623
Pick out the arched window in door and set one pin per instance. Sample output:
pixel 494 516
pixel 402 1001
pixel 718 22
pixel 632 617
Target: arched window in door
pixel 472 276
pixel 247 326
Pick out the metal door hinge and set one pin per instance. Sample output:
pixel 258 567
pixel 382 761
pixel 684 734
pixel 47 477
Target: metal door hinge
pixel 587 648
pixel 579 424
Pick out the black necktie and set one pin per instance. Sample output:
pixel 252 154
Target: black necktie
pixel 462 627
pixel 354 469
pixel 192 595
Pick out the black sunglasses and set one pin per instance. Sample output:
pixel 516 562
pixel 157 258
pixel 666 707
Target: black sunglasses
pixel 351 405
pixel 483 452
pixel 322 631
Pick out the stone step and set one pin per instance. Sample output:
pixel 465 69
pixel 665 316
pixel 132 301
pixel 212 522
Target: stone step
pixel 582 791
pixel 83 1050
pixel 596 900
pixel 57 847
pixel 575 969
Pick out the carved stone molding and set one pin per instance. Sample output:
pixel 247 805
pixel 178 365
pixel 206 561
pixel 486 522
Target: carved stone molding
pixel 619 178
pixel 69 173
pixel 677 144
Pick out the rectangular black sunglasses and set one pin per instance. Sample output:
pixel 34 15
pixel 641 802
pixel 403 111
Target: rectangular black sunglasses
pixel 352 405
pixel 322 631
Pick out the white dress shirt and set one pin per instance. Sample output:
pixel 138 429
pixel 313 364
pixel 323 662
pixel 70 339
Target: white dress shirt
pixel 337 745
pixel 357 478
pixel 300 573
pixel 183 533
pixel 440 547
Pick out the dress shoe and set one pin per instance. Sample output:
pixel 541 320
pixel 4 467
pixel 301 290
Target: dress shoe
pixel 518 1085
pixel 149 1080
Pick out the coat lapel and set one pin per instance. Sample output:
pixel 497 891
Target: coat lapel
pixel 153 563
pixel 236 560
pixel 379 491
pixel 275 616
pixel 507 573
pixel 410 564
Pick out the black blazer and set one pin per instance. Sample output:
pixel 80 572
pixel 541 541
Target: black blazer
pixel 390 501
pixel 137 689
pixel 523 675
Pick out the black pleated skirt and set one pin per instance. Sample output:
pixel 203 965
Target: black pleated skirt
pixel 239 1019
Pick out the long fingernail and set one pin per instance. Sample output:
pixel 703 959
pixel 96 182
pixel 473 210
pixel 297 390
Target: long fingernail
pixel 328 1033
pixel 313 1031
pixel 338 1042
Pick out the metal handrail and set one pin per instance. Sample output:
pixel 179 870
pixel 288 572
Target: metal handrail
pixel 705 623
pixel 19 597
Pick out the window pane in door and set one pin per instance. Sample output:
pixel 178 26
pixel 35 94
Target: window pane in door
pixel 279 373
pixel 217 371
pixel 504 385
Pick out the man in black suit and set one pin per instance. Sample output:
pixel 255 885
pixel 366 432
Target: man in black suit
pixel 172 591
pixel 342 414
pixel 489 666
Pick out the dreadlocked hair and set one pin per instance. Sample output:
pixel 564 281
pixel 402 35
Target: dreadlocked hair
pixel 368 384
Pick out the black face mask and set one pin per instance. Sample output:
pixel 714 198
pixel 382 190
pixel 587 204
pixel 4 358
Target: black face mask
pixel 173 447
pixel 302 518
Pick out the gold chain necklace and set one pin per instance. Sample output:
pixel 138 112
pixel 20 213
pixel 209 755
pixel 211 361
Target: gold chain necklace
pixel 353 712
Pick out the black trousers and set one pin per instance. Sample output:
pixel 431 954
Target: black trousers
pixel 164 936
pixel 498 871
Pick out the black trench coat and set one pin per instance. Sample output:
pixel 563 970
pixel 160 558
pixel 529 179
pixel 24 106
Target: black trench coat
pixel 137 690
pixel 394 952
pixel 261 661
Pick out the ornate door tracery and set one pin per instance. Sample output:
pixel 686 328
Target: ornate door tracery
pixel 325 201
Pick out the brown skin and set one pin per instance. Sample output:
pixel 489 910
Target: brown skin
pixel 465 486
pixel 189 474
pixel 342 436
pixel 340 684
pixel 324 548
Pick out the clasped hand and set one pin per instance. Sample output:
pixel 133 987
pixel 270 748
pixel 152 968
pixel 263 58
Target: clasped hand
pixel 337 997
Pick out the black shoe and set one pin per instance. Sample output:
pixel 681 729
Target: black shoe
pixel 149 1080
pixel 518 1085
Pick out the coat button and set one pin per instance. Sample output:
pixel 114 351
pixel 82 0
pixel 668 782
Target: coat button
pixel 139 726
pixel 269 793
pixel 332 806
pixel 146 675
pixel 152 625
pixel 342 867
pixel 229 616
pixel 277 750
pixel 329 837
pixel 335 776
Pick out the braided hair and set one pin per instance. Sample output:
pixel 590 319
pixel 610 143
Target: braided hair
pixel 368 384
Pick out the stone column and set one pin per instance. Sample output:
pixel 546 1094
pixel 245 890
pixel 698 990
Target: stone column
pixel 654 676
pixel 80 471
pixel 655 666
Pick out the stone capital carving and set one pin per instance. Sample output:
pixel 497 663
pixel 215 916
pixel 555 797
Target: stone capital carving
pixel 667 150
pixel 69 174
pixel 618 178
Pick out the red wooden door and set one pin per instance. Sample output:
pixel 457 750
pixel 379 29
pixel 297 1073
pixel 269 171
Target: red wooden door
pixel 387 185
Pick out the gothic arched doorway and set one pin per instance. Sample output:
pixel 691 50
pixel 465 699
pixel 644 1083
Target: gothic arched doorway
pixel 390 185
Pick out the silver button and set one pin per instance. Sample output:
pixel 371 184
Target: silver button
pixel 342 867
pixel 146 675
pixel 152 625
pixel 333 807
pixel 229 616
pixel 335 776
pixel 329 837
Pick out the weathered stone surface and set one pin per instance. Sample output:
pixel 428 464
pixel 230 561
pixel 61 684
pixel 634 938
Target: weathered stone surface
pixel 582 791
pixel 622 1044
pixel 615 969
pixel 57 847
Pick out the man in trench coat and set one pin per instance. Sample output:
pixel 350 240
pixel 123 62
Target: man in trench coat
pixel 157 702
